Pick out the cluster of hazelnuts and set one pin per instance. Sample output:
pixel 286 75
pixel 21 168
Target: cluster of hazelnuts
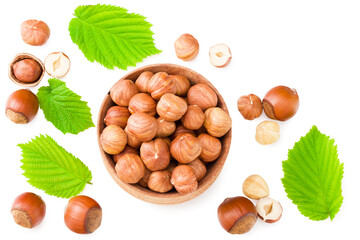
pixel 26 70
pixel 238 215
pixel 163 131
pixel 82 215
pixel 280 103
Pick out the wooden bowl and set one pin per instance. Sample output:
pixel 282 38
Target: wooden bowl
pixel 213 169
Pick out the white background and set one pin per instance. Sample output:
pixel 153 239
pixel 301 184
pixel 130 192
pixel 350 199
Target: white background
pixel 310 45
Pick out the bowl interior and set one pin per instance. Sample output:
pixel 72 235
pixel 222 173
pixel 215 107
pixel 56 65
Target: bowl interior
pixel 213 169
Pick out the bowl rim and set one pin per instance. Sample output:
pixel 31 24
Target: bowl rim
pixel 146 194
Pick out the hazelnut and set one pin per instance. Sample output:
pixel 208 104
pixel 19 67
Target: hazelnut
pixel 185 148
pixel 165 128
pixel 132 141
pixel 122 92
pixel 117 116
pixel 142 126
pixel 27 70
pixel 83 215
pixel 267 132
pixel 250 106
pixel 180 129
pixel 255 187
pixel 182 84
pixel 35 32
pixel 186 47
pixel 237 215
pixel 281 103
pixel 217 122
pixel 155 154
pixel 113 139
pixel 171 107
pixel 126 150
pixel 269 210
pixel 220 55
pixel 199 169
pixel 184 179
pixel 160 181
pixel 28 210
pixel 57 64
pixel 22 106
pixel 203 96
pixel 143 80
pixel 194 118
pixel 160 84
pixel 144 181
pixel 211 147
pixel 130 168
pixel 142 102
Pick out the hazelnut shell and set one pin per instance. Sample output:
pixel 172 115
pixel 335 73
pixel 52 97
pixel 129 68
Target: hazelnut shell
pixel 83 214
pixel 28 210
pixel 22 106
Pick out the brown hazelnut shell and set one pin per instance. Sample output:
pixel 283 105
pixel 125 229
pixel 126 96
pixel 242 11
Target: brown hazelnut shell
pixel 83 214
pixel 28 210
pixel 22 56
pixel 22 106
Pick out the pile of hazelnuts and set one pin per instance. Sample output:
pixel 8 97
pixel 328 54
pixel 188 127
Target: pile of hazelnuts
pixel 26 70
pixel 163 131
pixel 82 214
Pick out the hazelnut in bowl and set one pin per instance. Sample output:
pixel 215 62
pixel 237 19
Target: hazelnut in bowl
pixel 178 132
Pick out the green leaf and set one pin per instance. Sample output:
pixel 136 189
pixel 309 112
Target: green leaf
pixel 112 36
pixel 312 176
pixel 64 108
pixel 51 168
